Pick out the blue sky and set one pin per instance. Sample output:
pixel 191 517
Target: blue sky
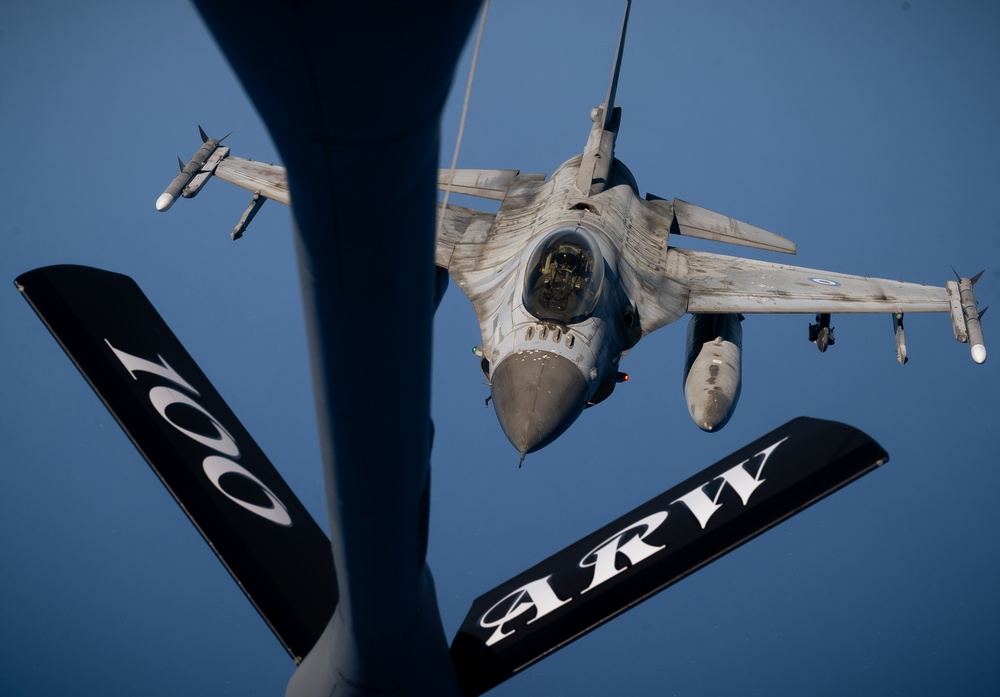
pixel 864 131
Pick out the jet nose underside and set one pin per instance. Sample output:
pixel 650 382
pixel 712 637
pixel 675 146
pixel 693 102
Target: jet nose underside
pixel 537 396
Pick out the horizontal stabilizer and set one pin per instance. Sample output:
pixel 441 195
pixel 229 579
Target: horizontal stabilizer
pixel 484 183
pixel 694 221
pixel 218 475
pixel 656 545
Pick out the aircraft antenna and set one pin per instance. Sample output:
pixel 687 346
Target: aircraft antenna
pixel 465 111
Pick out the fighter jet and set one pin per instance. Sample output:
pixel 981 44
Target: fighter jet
pixel 575 268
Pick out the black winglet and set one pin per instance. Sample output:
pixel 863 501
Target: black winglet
pixel 654 546
pixel 201 452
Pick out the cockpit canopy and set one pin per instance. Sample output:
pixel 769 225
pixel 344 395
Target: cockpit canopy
pixel 564 276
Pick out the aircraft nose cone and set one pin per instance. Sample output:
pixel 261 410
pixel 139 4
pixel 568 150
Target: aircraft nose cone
pixel 537 395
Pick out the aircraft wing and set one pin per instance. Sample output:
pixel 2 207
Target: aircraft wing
pixel 719 283
pixel 269 181
pixel 453 223
pixel 667 282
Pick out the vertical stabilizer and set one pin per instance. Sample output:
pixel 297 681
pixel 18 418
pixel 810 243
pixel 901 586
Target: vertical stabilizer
pixel 609 101
pixel 599 153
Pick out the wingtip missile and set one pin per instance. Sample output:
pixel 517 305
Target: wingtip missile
pixel 188 172
pixel 966 317
pixel 973 323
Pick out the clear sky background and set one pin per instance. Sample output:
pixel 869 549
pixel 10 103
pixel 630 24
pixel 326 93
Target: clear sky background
pixel 867 132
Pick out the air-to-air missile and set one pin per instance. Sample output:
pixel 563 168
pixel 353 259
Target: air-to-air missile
pixel 195 173
pixel 965 315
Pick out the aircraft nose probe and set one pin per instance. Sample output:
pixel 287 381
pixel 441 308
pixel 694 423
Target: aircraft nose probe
pixel 537 395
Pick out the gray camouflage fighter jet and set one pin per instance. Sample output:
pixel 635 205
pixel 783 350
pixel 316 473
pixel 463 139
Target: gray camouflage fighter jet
pixel 575 268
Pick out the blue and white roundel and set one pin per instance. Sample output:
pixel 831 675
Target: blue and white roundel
pixel 824 281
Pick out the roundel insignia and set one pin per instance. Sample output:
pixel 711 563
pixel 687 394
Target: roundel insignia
pixel 824 281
